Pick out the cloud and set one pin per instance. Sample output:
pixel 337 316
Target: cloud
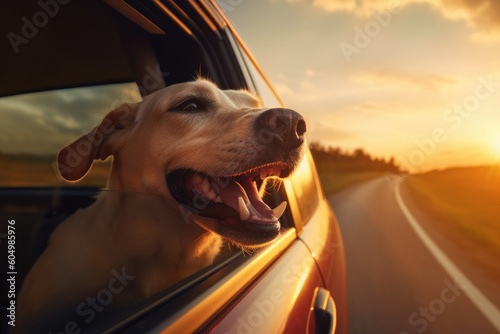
pixel 427 81
pixel 364 8
pixel 482 15
pixel 310 73
pixel 327 134
pixel 283 89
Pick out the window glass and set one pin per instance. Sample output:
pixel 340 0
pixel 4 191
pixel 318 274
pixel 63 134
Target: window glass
pixel 305 187
pixel 108 255
pixel 239 56
pixel 34 127
pixel 90 256
pixel 266 94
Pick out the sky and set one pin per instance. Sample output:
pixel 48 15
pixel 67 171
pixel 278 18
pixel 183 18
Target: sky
pixel 415 80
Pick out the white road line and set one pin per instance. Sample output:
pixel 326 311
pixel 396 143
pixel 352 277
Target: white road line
pixel 489 310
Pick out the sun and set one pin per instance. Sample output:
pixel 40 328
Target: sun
pixel 495 144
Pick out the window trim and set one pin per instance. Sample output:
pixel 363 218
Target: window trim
pixel 188 312
pixel 246 50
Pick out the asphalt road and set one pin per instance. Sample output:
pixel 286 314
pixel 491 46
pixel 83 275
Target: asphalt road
pixel 395 283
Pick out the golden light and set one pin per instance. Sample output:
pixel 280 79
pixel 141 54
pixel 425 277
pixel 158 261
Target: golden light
pixel 495 144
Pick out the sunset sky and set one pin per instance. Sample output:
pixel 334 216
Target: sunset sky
pixel 417 80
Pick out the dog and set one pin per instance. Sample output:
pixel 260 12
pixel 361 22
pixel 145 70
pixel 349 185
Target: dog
pixel 186 163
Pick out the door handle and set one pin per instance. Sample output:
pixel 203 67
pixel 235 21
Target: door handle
pixel 323 313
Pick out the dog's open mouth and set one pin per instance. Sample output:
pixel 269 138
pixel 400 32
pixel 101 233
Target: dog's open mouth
pixel 233 200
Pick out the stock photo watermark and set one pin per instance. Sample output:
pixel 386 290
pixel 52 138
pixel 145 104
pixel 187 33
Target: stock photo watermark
pixel 88 309
pixel 372 29
pixel 229 5
pixel 452 118
pixel 30 27
pixel 421 318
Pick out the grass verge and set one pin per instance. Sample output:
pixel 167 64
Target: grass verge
pixel 465 199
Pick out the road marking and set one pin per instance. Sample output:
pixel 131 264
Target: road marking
pixel 489 310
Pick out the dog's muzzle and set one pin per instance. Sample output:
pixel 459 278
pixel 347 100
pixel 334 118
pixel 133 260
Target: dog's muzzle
pixel 233 199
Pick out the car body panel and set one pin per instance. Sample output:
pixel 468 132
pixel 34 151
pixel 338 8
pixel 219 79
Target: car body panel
pixel 279 301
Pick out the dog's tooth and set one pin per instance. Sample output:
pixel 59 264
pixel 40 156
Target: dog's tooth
pixel 205 186
pixel 244 212
pixel 218 199
pixel 262 174
pixel 211 194
pixel 278 211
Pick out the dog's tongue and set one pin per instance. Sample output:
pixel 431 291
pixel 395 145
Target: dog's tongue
pixel 242 196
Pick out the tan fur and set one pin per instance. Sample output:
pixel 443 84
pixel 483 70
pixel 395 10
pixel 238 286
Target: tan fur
pixel 138 226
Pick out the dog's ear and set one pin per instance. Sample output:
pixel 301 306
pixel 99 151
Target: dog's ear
pixel 75 160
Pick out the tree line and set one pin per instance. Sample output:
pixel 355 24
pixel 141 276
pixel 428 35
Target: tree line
pixel 333 159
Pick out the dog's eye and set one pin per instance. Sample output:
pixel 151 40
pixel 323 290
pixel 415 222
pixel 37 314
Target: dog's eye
pixel 190 105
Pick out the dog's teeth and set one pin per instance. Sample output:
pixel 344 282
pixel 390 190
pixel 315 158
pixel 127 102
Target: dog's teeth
pixel 244 212
pixel 262 174
pixel 278 211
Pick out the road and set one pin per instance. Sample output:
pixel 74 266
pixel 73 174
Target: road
pixel 395 283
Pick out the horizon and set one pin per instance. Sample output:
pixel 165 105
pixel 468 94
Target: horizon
pixel 53 158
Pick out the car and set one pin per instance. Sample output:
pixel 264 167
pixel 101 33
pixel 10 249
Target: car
pixel 67 63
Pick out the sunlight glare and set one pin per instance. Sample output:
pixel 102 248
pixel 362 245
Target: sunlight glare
pixel 495 144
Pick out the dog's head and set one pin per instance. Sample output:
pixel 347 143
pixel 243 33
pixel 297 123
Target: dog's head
pixel 202 148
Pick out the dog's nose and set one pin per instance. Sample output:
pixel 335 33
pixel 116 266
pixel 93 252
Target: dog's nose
pixel 283 126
